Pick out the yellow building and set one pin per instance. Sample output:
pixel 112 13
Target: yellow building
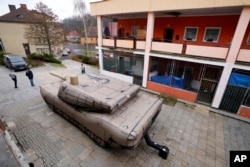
pixel 12 32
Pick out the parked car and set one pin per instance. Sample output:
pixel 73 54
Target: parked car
pixel 68 50
pixel 15 62
pixel 65 52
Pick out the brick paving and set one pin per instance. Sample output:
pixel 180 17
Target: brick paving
pixel 195 135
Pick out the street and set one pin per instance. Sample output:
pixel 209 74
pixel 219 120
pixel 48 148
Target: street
pixel 195 135
pixel 76 49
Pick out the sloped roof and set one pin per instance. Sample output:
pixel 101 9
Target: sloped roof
pixel 73 33
pixel 21 15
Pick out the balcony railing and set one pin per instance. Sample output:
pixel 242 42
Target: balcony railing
pixel 167 47
pixel 244 55
pixel 207 51
pixel 210 51
pixel 108 42
pixel 140 45
pixel 125 43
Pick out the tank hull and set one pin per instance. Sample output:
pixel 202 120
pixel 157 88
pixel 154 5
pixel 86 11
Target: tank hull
pixel 123 128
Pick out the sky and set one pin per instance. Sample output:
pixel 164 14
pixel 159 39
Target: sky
pixel 62 8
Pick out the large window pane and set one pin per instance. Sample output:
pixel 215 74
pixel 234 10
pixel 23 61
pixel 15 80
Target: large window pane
pixel 134 30
pixel 178 74
pixel 248 40
pixel 190 33
pixel 212 34
pixel 118 62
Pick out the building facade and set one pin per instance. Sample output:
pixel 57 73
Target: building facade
pixel 197 50
pixel 12 32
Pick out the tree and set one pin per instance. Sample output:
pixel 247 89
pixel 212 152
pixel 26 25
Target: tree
pixel 45 29
pixel 75 23
pixel 81 11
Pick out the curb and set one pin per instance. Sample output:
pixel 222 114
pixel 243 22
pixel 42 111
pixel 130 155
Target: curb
pixel 16 151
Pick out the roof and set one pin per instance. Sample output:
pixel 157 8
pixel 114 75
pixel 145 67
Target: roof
pixel 21 15
pixel 141 8
pixel 73 33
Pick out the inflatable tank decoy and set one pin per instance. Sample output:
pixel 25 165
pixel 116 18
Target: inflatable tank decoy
pixel 111 112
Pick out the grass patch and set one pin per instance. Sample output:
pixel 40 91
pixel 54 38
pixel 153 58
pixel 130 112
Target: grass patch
pixel 76 58
pixel 192 106
pixel 168 100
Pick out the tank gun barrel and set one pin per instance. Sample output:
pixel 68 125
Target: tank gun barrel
pixel 59 75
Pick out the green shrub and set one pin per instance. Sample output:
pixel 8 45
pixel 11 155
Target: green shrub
pixel 86 59
pixel 168 100
pixel 35 56
pixel 50 58
pixel 90 60
pixel 1 58
pixel 44 57
pixel 77 58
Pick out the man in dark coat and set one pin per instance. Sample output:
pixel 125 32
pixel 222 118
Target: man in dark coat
pixel 13 77
pixel 82 68
pixel 29 74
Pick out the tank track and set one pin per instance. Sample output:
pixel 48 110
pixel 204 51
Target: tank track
pixel 163 150
pixel 94 137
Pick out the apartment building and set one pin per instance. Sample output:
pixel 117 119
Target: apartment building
pixel 196 50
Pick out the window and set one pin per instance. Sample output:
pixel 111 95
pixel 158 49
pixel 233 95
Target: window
pixel 174 73
pixel 190 33
pixel 19 16
pixel 212 34
pixel 248 40
pixel 134 30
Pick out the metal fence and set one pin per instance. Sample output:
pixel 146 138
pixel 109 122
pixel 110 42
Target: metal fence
pixel 232 98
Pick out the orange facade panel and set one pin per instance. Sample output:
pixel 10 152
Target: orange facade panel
pixel 178 93
pixel 244 111
pixel 178 25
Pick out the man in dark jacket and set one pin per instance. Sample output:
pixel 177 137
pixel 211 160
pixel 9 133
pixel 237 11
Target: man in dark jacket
pixel 29 74
pixel 13 77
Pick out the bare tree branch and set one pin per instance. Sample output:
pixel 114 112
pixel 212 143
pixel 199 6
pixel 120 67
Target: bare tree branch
pixel 80 10
pixel 45 30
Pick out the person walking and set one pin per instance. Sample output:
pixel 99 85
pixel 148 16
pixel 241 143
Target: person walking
pixel 29 74
pixel 83 68
pixel 14 78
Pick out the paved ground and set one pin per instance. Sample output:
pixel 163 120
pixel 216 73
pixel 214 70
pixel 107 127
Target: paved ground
pixel 195 136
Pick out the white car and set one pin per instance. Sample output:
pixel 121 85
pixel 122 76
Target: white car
pixel 65 52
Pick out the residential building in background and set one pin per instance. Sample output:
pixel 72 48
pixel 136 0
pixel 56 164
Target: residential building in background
pixel 12 32
pixel 195 50
pixel 13 28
